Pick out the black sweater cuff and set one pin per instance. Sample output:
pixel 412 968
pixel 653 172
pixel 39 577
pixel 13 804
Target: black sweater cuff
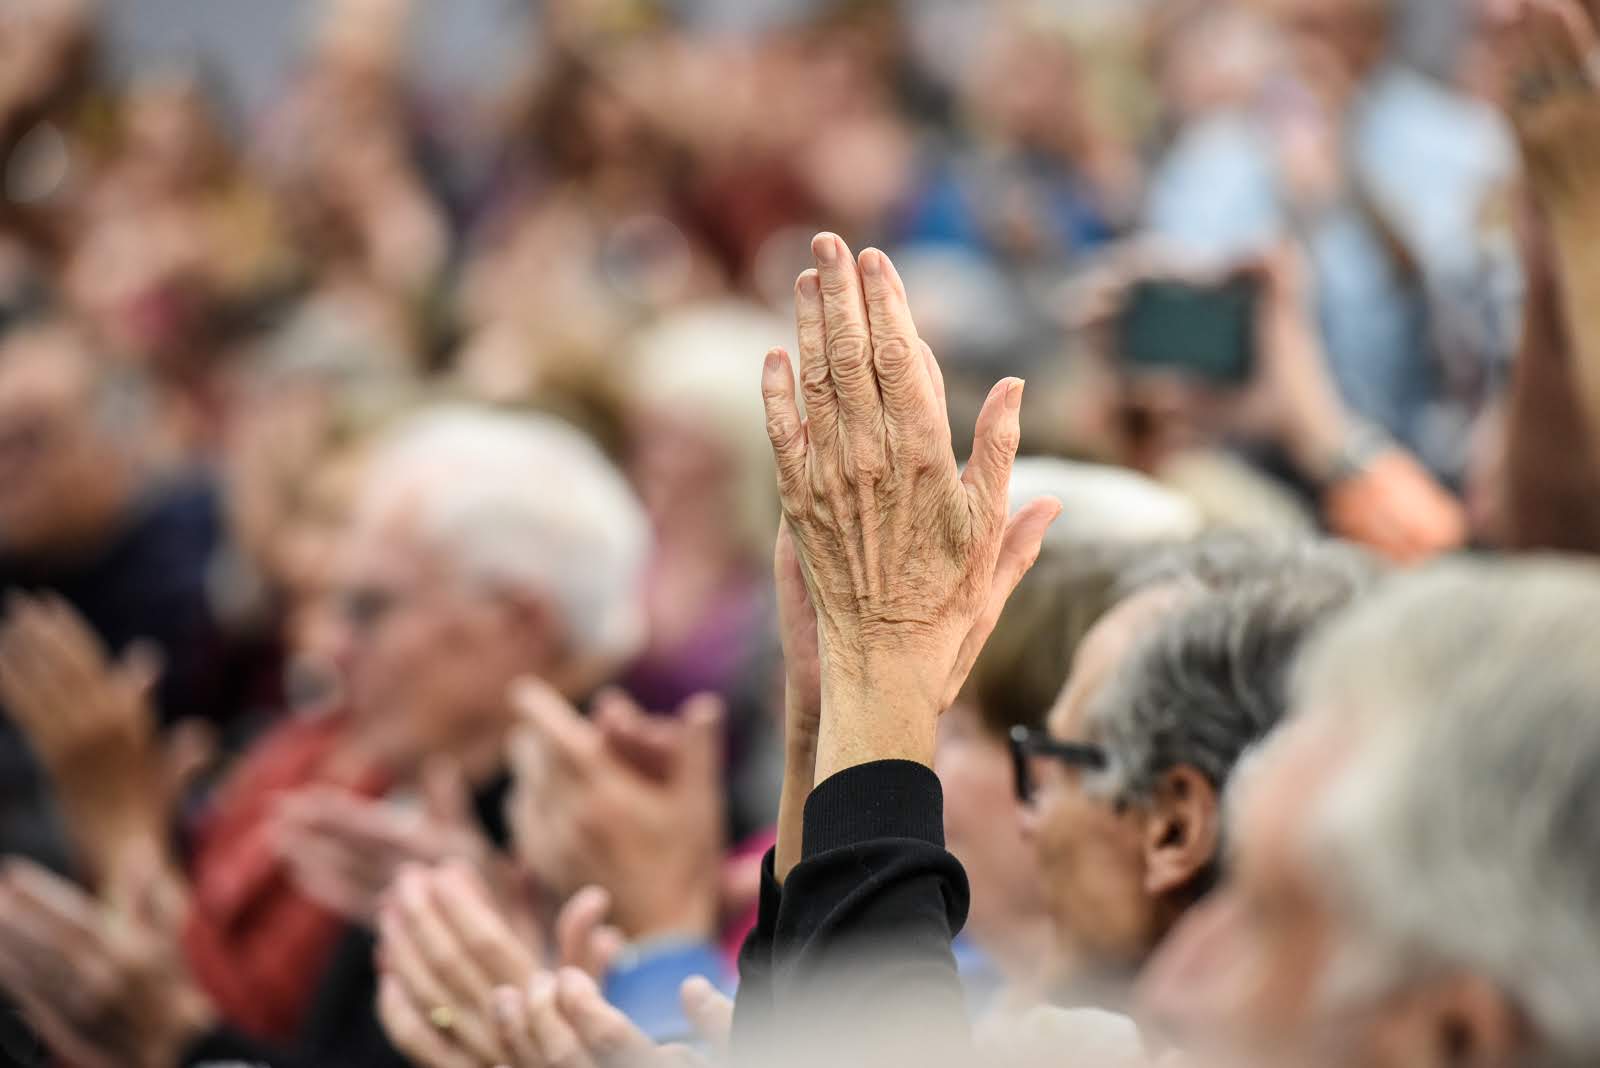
pixel 883 799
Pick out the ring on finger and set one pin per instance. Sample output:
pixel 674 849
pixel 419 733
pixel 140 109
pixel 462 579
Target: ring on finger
pixel 443 1018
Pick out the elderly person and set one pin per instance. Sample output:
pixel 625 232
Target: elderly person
pixel 484 547
pixel 907 562
pixel 1123 792
pixel 1136 846
pixel 1113 522
pixel 1415 865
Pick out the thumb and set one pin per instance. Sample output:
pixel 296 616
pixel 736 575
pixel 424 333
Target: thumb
pixel 141 666
pixel 994 448
pixel 1019 548
pixel 445 795
pixel 632 734
pixel 581 939
pixel 709 1010
pixel 191 749
pixel 703 716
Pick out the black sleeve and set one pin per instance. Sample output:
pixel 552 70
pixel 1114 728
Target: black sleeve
pixel 753 1005
pixel 861 943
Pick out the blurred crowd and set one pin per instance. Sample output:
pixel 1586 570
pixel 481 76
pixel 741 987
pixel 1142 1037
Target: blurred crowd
pixel 396 667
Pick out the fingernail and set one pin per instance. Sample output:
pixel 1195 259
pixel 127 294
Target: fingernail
pixel 542 986
pixel 810 286
pixel 872 263
pixel 773 361
pixel 1014 396
pixel 826 248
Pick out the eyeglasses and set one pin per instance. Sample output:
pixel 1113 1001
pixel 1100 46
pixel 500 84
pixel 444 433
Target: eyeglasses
pixel 1027 744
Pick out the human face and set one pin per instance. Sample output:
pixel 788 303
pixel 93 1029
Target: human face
pixel 425 658
pixel 60 479
pixel 1238 979
pixel 1259 974
pixel 1090 851
pixel 981 828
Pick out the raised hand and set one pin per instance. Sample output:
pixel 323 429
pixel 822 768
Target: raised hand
pixel 1554 100
pixel 90 722
pixel 907 559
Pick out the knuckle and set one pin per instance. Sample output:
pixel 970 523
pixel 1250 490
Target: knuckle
pixel 895 358
pixel 815 379
pixel 848 345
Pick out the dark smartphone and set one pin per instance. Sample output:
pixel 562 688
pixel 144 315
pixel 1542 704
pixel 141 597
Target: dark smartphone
pixel 1205 331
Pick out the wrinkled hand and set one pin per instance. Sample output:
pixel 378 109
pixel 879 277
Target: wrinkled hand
pixel 345 851
pixel 444 948
pixel 91 725
pixel 563 1021
pixel 626 801
pixel 908 560
pixel 103 989
pixel 1554 100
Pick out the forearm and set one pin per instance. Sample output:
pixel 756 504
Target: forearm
pixel 863 934
pixel 799 772
pixel 1575 232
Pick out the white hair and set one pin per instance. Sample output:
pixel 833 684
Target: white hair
pixel 706 361
pixel 1101 503
pixel 528 502
pixel 1463 831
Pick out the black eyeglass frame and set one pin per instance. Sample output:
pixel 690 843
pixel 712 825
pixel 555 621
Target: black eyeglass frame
pixel 1026 743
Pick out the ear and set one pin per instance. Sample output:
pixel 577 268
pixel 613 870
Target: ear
pixel 1182 831
pixel 1458 1022
pixel 529 621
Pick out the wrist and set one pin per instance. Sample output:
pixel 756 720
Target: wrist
pixel 692 918
pixel 887 713
pixel 192 1017
pixel 1338 458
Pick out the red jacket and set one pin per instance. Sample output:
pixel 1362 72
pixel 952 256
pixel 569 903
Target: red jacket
pixel 254 943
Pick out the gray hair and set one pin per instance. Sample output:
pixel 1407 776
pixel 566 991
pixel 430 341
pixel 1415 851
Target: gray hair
pixel 1211 679
pixel 528 502
pixel 1462 832
pixel 1228 559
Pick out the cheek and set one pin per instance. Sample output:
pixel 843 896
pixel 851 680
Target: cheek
pixel 1090 864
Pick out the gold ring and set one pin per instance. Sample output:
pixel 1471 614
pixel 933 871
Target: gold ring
pixel 443 1017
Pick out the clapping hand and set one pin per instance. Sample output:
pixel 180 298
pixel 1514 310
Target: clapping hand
pixel 91 725
pixel 907 559
pixel 626 801
pixel 445 948
pixel 345 851
pixel 104 987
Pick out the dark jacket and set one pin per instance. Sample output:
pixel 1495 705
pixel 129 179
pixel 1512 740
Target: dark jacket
pixel 857 940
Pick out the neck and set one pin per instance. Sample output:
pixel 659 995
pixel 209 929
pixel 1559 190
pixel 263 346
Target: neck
pixel 1017 942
